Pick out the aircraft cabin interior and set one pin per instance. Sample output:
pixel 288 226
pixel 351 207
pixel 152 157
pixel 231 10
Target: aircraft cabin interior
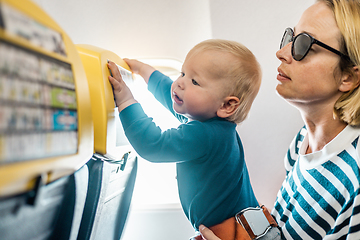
pixel 67 170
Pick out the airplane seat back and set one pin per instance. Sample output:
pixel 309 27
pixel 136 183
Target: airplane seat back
pixel 113 168
pixel 49 186
pixel 51 211
pixel 46 127
pixel 110 190
pixel 68 223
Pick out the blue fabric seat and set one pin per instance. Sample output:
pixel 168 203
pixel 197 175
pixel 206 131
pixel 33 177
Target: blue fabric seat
pixel 108 200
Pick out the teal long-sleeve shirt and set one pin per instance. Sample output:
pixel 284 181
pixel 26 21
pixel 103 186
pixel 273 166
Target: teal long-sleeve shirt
pixel 213 180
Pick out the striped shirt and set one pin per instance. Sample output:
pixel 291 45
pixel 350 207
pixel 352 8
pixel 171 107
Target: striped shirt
pixel 319 198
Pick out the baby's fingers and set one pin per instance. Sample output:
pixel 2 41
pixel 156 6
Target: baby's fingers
pixel 114 70
pixel 115 83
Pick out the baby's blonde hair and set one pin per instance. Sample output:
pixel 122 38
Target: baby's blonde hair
pixel 244 73
pixel 347 17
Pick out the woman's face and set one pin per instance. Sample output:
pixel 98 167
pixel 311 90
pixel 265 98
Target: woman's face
pixel 312 80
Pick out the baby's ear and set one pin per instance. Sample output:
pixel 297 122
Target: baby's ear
pixel 228 107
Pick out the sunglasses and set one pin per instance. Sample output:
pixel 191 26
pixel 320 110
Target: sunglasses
pixel 302 44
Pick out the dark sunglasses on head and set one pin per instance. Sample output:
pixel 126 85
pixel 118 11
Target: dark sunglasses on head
pixel 302 44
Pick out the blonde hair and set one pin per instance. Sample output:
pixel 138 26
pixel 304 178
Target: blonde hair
pixel 347 17
pixel 244 73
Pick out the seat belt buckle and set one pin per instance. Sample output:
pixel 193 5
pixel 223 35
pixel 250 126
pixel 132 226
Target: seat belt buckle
pixel 257 221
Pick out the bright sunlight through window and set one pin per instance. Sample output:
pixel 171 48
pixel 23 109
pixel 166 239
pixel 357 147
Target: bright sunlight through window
pixel 156 182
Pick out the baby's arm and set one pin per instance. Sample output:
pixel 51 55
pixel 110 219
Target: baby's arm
pixel 122 93
pixel 140 68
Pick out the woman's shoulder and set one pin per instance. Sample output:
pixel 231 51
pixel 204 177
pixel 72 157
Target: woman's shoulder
pixel 354 138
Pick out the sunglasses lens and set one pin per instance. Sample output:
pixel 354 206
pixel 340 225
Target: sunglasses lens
pixel 301 46
pixel 288 36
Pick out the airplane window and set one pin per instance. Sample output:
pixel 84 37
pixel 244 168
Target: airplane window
pixel 156 182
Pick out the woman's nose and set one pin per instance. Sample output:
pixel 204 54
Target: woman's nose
pixel 284 54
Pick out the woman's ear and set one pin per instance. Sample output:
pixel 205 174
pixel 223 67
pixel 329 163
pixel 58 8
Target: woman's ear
pixel 350 81
pixel 228 107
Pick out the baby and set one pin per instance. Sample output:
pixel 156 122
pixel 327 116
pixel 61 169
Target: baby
pixel 218 83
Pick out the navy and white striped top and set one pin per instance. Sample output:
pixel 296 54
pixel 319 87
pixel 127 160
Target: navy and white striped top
pixel 319 198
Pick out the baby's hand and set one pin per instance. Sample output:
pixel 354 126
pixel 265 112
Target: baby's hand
pixel 134 65
pixel 123 95
pixel 144 70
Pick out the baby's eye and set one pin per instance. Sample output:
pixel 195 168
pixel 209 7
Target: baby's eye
pixel 195 82
pixel 182 74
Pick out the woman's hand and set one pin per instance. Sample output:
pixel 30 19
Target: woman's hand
pixel 206 234
pixel 122 94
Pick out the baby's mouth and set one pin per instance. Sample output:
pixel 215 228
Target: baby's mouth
pixel 177 99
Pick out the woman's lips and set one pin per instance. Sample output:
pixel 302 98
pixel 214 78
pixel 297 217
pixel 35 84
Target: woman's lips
pixel 282 76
